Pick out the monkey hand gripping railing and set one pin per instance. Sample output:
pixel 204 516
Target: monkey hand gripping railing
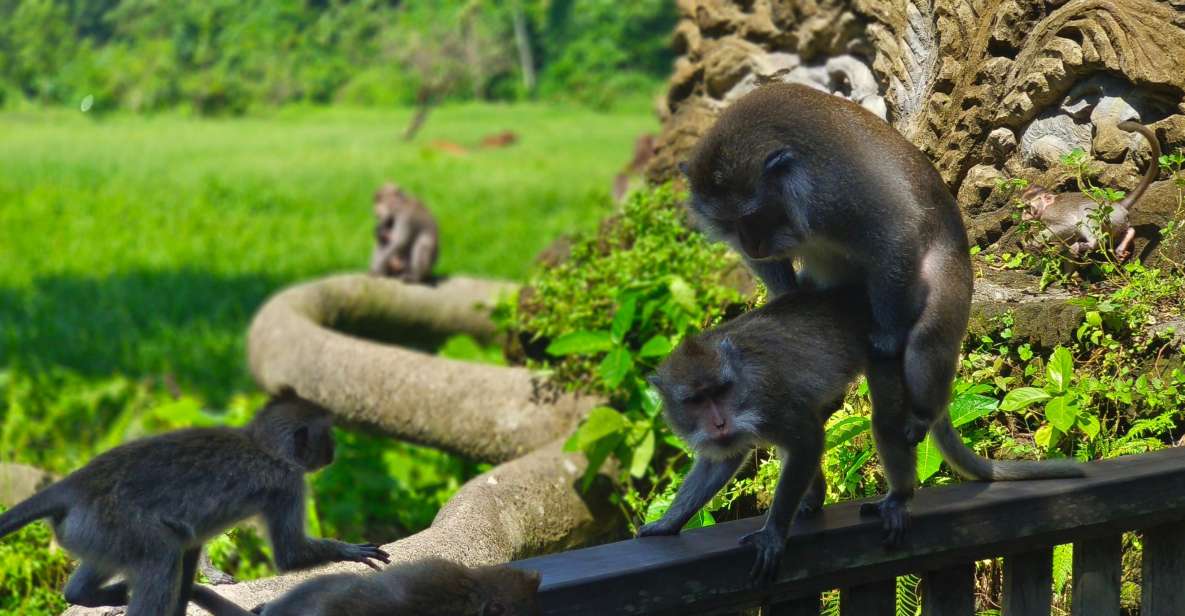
pixel 706 572
pixel 529 504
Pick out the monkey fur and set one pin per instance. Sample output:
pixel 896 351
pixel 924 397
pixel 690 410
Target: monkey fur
pixel 1070 219
pixel 143 510
pixel 430 587
pixel 406 236
pixel 772 377
pixel 789 174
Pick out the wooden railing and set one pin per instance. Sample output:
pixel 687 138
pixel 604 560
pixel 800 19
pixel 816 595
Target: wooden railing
pixel 705 571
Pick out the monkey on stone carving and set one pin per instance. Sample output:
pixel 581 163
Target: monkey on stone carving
pixel 1073 219
pixel 406 236
pixel 143 510
pixel 430 587
pixel 789 174
pixel 773 376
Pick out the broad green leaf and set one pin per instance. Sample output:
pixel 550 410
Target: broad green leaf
pixel 1090 425
pixel 624 318
pixel 1044 437
pixel 701 519
pixel 856 466
pixel 616 365
pixel 597 455
pixel 682 293
pixel 642 454
pixel 1018 399
pixel 580 343
pixel 929 460
pixel 845 430
pixel 601 422
pixel 658 346
pixel 651 401
pixel 1061 413
pixel 966 408
pixel 1060 368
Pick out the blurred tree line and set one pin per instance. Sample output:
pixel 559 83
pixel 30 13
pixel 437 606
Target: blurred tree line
pixel 226 56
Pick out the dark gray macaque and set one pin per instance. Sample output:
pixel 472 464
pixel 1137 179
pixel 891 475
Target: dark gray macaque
pixel 406 237
pixel 773 376
pixel 789 174
pixel 142 510
pixel 1072 219
pixel 430 587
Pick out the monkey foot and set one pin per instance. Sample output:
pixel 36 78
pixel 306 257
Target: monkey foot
pixel 894 514
pixel 770 544
pixel 809 510
pixel 915 430
pixel 657 528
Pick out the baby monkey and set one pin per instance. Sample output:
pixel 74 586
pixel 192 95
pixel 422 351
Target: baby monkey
pixel 406 236
pixel 430 587
pixel 1072 219
pixel 773 376
pixel 143 510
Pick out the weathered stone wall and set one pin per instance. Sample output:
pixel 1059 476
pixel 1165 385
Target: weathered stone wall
pixel 987 88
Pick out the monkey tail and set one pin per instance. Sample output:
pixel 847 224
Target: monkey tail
pixel 47 503
pixel 968 464
pixel 1153 167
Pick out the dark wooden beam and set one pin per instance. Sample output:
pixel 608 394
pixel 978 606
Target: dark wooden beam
pixel 708 569
pixel 1028 583
pixel 1098 564
pixel 1163 568
pixel 873 599
pixel 949 591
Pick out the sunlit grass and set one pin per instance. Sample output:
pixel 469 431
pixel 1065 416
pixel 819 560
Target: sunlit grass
pixel 143 245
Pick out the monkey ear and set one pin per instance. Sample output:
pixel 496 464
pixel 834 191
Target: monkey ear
pixel 683 168
pixel 778 161
pixel 729 350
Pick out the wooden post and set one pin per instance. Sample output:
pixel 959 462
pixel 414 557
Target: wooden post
pixel 794 607
pixel 1164 571
pixel 1028 583
pixel 1097 566
pixel 949 591
pixel 873 599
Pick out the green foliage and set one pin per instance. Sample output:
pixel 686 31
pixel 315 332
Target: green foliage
pixel 610 313
pixel 1065 403
pixel 228 56
pixel 31 571
pixel 136 250
pixel 143 246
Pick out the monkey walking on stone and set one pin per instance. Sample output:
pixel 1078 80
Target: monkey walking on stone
pixel 430 587
pixel 1073 219
pixel 789 173
pixel 772 377
pixel 406 236
pixel 143 510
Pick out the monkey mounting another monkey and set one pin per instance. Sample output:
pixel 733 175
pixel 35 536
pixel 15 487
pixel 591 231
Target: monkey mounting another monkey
pixel 773 376
pixel 143 510
pixel 789 173
pixel 430 587
pixel 406 236
pixel 1073 219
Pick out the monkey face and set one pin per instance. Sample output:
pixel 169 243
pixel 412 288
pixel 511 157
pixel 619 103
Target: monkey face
pixel 1038 199
pixel 703 399
pixel 760 231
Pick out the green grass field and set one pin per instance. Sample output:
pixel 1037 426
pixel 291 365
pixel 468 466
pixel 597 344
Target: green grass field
pixel 142 246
